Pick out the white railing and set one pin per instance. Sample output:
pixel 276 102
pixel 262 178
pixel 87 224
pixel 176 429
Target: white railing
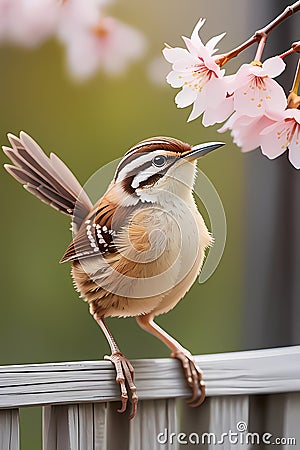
pixel 254 389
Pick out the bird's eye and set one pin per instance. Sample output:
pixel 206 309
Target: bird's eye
pixel 159 161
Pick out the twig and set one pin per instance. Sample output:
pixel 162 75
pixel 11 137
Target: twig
pixel 295 48
pixel 260 48
pixel 260 35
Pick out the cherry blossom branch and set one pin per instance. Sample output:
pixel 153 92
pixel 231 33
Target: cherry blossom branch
pixel 260 48
pixel 260 35
pixel 295 48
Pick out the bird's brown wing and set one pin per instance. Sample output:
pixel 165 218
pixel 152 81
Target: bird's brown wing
pixel 99 231
pixel 48 178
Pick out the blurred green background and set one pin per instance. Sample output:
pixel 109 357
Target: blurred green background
pixel 89 124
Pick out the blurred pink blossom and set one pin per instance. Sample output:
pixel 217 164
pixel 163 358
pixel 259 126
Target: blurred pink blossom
pixel 77 16
pixel 7 8
pixel 110 44
pixel 28 22
pixel 283 134
pixel 255 91
pixel 92 41
pixel 194 70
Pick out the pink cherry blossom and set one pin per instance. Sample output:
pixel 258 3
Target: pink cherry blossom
pixel 282 135
pixel 245 130
pixel 195 71
pixel 219 105
pixel 255 91
pixel 110 45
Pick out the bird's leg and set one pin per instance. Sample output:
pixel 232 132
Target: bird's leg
pixel 192 372
pixel 124 369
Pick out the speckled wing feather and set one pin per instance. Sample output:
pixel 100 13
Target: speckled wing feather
pixel 48 178
pixel 98 232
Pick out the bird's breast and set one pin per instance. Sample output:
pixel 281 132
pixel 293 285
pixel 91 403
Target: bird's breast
pixel 158 250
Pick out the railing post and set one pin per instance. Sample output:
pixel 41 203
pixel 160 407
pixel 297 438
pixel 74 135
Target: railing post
pixel 9 429
pixel 153 424
pixel 56 428
pixel 74 427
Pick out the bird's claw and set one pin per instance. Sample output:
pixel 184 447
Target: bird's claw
pixel 193 375
pixel 124 373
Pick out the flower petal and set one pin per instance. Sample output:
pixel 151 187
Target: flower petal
pixel 198 107
pixel 246 130
pixel 195 34
pixel 271 129
pixel 273 66
pixel 185 97
pixel 294 150
pixel 273 140
pixel 210 45
pixel 216 90
pixel 175 79
pixel 292 113
pixel 212 65
pixel 174 54
pixel 277 100
pixel 250 139
pixel 228 125
pixel 195 50
pixel 217 115
pixel 242 133
pixel 241 78
pixel 186 64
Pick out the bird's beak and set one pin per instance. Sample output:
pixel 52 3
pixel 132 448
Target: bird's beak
pixel 201 150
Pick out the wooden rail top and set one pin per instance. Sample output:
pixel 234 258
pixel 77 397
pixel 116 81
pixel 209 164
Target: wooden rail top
pixel 250 372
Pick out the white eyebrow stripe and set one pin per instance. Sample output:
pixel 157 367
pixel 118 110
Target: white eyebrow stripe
pixel 139 161
pixel 144 175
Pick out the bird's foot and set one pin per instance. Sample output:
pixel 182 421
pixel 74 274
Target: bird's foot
pixel 193 375
pixel 125 373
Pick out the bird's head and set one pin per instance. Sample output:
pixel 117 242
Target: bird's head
pixel 158 166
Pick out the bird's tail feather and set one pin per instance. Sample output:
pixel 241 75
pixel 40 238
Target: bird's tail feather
pixel 48 178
